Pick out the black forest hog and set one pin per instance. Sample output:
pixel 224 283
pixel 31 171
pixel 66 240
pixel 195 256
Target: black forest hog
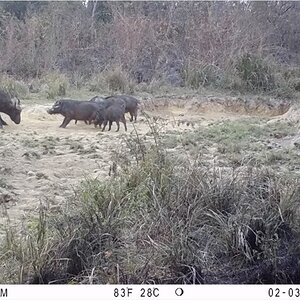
pixel 74 110
pixel 114 113
pixel 131 105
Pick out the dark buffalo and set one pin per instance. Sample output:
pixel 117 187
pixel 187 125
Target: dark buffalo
pixel 10 107
pixel 74 110
pixel 114 113
pixel 131 103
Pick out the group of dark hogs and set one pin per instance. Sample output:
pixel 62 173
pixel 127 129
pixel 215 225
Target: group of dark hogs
pixel 97 110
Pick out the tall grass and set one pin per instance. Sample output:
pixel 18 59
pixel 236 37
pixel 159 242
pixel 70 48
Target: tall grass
pixel 112 80
pixel 160 220
pixel 57 84
pixel 13 87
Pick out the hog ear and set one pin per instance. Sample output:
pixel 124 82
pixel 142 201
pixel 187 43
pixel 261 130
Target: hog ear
pixel 62 105
pixel 94 98
pixel 57 103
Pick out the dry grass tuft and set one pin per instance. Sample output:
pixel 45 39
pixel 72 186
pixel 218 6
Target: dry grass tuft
pixel 160 220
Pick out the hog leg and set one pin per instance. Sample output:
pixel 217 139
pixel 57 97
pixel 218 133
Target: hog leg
pixel 118 125
pixel 131 116
pixel 92 118
pixel 105 123
pixel 96 123
pixel 123 120
pixel 109 125
pixel 135 114
pixel 65 122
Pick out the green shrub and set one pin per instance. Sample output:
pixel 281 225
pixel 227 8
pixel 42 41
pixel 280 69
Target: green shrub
pixel 230 81
pixel 35 86
pixel 255 73
pixel 291 73
pixel 57 84
pixel 284 87
pixel 78 80
pixel 14 87
pixel 284 91
pixel 297 85
pixel 97 83
pixel 155 87
pixel 204 75
pixel 115 80
pixel 292 79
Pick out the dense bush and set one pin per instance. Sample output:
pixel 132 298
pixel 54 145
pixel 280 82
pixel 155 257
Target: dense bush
pixel 202 76
pixel 117 80
pixel 150 41
pixel 112 80
pixel 56 84
pixel 255 73
pixel 14 87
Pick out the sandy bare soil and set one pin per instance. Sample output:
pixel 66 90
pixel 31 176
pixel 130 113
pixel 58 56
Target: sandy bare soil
pixel 41 163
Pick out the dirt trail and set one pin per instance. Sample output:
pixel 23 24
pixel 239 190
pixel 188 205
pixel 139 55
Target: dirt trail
pixel 42 163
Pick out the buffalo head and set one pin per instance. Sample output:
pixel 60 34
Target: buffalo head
pixel 10 106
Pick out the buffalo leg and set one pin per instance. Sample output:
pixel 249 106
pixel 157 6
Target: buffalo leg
pixel 2 121
pixel 65 122
pixel 75 121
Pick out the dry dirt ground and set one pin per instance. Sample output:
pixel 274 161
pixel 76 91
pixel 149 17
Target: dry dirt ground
pixel 41 163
